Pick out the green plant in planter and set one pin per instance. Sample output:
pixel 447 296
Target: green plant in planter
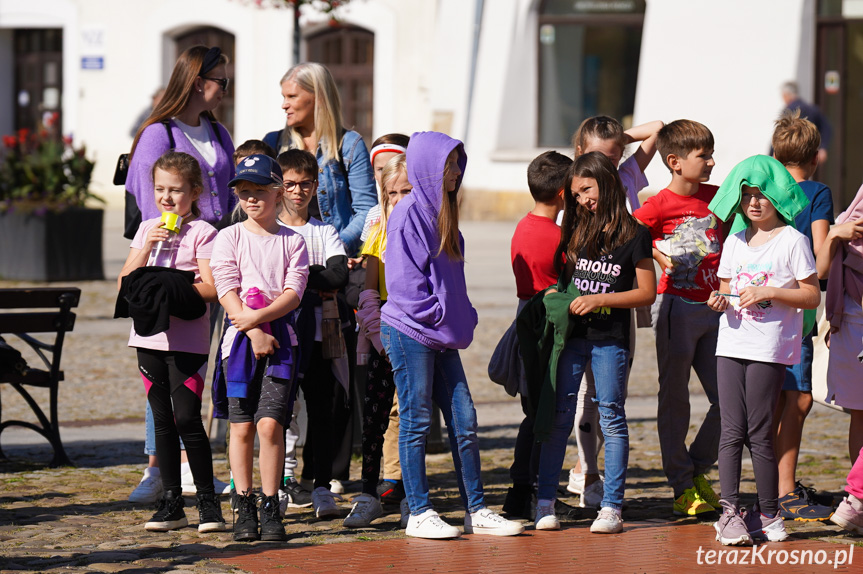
pixel 41 172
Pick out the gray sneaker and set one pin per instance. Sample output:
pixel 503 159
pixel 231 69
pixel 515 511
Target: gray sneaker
pixel 730 528
pixel 761 527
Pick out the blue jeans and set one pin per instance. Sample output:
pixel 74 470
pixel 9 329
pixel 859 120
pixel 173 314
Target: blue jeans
pixel 608 360
pixel 421 375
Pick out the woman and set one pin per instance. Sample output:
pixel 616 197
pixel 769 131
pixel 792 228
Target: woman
pixel 346 187
pixel 183 121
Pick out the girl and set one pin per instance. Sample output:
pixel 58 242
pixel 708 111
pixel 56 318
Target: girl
pixel 427 318
pixel 258 360
pixel 767 274
pixel 380 386
pixel 606 253
pixel 384 149
pixel 605 135
pixel 841 260
pixel 174 362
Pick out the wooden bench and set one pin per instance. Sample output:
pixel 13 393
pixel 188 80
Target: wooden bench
pixel 22 322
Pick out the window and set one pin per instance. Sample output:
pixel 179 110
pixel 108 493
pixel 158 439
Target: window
pixel 38 77
pixel 588 63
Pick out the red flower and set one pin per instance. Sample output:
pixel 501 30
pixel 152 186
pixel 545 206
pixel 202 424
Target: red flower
pixel 10 141
pixel 67 140
pixel 23 133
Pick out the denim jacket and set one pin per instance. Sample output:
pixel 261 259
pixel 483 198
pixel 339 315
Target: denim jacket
pixel 346 188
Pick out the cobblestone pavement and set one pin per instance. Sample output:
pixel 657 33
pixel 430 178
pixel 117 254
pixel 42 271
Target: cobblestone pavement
pixel 78 519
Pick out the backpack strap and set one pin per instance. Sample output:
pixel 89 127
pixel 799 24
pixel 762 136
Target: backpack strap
pixel 216 130
pixel 167 124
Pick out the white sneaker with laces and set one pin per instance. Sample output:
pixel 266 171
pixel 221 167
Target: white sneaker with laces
pixel 336 486
pixel 576 482
pixel 429 524
pixel 366 508
pixel 149 490
pixel 546 519
pixel 592 495
pixel 486 521
pixel 324 502
pixel 187 482
pixel 607 522
pixel 405 511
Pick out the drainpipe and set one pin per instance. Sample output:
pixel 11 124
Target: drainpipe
pixel 477 28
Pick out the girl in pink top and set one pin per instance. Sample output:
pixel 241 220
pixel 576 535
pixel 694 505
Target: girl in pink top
pixel 173 363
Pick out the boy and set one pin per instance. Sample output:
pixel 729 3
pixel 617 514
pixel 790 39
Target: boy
pixel 687 240
pixel 323 381
pixel 532 250
pixel 796 142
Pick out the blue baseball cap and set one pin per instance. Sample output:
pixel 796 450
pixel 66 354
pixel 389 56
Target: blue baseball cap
pixel 260 169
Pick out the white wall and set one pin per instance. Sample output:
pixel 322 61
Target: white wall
pixel 724 68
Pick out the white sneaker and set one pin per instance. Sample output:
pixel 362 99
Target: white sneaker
pixel 405 511
pixel 576 482
pixel 324 502
pixel 592 495
pixel 187 482
pixel 607 522
pixel 546 519
pixel 429 524
pixel 149 490
pixel 486 521
pixel 336 486
pixel 366 508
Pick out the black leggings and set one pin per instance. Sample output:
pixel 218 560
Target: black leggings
pixel 376 418
pixel 319 390
pixel 174 383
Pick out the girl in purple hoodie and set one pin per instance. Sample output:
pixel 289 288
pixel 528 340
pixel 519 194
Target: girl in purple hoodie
pixel 427 318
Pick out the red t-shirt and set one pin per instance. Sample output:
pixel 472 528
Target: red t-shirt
pixel 532 251
pixel 686 231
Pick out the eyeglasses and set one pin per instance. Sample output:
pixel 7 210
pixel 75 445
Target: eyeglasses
pixel 223 82
pixel 304 185
pixel 746 198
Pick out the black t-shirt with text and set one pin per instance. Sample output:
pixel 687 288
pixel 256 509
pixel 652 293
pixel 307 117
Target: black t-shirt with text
pixel 611 273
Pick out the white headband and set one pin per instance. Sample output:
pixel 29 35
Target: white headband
pixel 383 148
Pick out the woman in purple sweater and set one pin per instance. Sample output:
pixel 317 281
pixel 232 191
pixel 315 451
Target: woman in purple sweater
pixel 427 318
pixel 183 121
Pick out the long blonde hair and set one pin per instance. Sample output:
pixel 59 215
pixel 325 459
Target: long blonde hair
pixel 317 80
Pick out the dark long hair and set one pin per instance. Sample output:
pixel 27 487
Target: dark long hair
pixel 600 232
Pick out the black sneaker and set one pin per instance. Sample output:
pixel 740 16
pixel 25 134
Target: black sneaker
pixel 246 524
pixel 271 520
pixel 169 514
pixel 821 498
pixel 391 492
pixel 798 505
pixel 566 512
pixel 296 495
pixel 210 514
pixel 519 501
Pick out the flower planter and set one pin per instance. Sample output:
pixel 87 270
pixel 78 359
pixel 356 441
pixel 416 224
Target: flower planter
pixel 51 246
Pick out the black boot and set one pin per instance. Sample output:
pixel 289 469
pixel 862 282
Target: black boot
pixel 271 520
pixel 210 513
pixel 246 524
pixel 169 514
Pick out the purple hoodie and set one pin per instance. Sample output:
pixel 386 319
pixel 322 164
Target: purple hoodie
pixel 427 298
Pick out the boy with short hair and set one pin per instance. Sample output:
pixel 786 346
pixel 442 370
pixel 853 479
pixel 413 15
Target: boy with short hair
pixel 532 251
pixel 252 147
pixel 796 142
pixel 687 239
pixel 323 381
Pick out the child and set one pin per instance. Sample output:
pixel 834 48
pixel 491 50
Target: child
pixel 252 147
pixel 174 362
pixel 767 274
pixel 532 254
pixel 796 142
pixel 687 240
pixel 606 254
pixel 258 348
pixel 380 386
pixel 427 318
pixel 606 135
pixel 323 381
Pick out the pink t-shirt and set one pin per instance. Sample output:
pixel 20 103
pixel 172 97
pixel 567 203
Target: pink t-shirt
pixel 272 263
pixel 196 242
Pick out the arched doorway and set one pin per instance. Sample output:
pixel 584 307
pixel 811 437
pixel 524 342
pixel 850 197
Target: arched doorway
pixel 348 52
pixel 210 36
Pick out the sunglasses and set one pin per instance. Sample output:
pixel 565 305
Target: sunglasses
pixel 223 82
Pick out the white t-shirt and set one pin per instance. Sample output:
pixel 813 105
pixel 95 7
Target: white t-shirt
pixel 372 217
pixel 768 331
pixel 199 136
pixel 322 242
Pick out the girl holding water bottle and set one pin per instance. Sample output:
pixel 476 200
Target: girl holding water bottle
pixel 173 363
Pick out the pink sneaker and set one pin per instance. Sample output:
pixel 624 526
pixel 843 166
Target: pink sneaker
pixel 849 514
pixel 761 527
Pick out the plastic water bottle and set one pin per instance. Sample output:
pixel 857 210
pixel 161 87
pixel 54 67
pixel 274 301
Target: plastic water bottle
pixel 164 253
pixel 256 300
